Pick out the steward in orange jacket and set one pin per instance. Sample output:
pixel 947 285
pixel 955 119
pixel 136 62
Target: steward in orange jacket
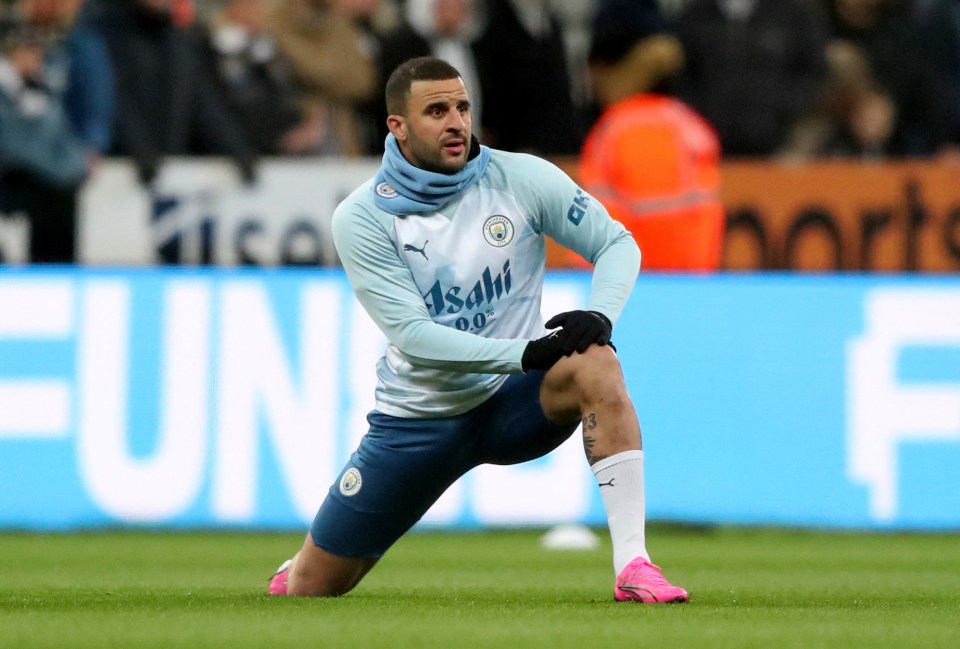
pixel 651 160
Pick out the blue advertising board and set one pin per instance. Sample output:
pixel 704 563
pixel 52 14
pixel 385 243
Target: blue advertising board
pixel 231 398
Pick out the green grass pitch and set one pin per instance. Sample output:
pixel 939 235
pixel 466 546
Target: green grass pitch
pixel 763 588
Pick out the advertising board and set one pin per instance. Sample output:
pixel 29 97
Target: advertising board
pixel 213 397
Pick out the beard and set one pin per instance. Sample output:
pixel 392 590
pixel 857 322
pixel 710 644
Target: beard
pixel 429 158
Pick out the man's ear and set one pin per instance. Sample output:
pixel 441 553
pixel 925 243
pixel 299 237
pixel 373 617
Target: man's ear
pixel 397 126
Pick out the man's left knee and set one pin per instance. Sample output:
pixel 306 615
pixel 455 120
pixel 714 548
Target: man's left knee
pixel 598 369
pixel 583 380
pixel 600 359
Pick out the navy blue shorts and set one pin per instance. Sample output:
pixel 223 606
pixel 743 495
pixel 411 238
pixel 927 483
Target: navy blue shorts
pixel 403 466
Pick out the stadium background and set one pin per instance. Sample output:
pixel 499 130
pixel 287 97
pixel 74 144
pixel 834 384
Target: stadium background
pixel 221 396
pixel 204 364
pixel 178 391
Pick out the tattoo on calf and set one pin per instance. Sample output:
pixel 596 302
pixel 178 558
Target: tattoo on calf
pixel 590 421
pixel 588 444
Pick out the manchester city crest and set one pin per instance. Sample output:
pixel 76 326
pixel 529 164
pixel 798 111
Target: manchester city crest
pixel 351 481
pixel 498 231
pixel 385 190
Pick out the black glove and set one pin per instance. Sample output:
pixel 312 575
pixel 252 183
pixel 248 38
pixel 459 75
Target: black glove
pixel 542 353
pixel 580 330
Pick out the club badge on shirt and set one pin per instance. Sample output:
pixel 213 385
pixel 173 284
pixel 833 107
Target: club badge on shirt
pixel 498 231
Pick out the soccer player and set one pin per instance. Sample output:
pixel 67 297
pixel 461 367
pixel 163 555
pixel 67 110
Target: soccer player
pixel 444 248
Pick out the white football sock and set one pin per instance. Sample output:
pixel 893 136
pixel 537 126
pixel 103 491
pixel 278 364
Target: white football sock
pixel 620 478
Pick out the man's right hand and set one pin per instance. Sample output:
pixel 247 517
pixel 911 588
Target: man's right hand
pixel 579 330
pixel 542 353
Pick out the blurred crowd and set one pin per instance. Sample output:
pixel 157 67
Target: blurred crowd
pixel 145 79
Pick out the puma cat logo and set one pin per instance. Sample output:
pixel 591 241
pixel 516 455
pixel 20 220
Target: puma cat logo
pixel 409 247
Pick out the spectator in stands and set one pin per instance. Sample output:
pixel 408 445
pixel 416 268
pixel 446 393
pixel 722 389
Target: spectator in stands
pixel 446 29
pixel 166 103
pixel 75 78
pixel 651 160
pixel 256 79
pixel 334 67
pixel 575 18
pixel 377 21
pixel 373 18
pixel 939 22
pixel 183 13
pixel 82 62
pixel 527 97
pixel 755 69
pixel 881 98
pixel 91 92
pixel 42 162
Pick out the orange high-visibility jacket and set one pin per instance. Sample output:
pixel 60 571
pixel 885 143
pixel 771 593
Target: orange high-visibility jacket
pixel 654 164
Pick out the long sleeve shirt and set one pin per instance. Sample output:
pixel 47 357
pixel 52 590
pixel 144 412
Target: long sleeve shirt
pixel 457 292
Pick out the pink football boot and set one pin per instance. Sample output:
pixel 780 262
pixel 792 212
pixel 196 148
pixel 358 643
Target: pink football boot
pixel 278 583
pixel 642 581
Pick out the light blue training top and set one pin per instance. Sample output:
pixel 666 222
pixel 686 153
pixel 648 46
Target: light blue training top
pixel 457 291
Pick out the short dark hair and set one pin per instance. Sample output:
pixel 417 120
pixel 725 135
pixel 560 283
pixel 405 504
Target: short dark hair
pixel 424 68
